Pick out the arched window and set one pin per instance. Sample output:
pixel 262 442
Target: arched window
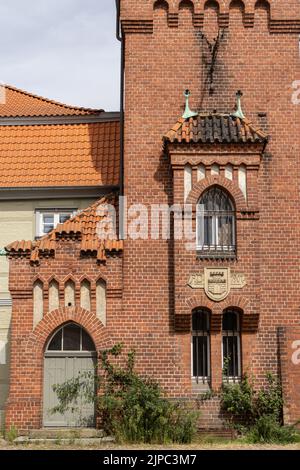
pixel 231 346
pixel 215 224
pixel 200 346
pixel 71 337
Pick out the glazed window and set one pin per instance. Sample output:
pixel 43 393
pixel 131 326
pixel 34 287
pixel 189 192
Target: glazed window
pixel 47 220
pixel 71 337
pixel 231 346
pixel 215 224
pixel 200 347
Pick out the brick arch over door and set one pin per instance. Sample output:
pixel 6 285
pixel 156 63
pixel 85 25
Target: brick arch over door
pixel 29 363
pixel 55 319
pixel 224 183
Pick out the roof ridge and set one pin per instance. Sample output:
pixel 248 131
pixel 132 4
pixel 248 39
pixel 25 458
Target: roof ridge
pixel 54 102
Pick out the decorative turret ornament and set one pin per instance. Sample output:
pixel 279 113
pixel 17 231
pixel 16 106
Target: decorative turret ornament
pixel 238 113
pixel 188 113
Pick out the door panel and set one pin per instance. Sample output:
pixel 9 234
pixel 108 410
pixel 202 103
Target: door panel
pixel 56 371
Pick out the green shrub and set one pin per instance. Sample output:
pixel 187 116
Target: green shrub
pixel 267 430
pixel 269 400
pixel 131 407
pixel 258 414
pixel 238 400
pixel 11 434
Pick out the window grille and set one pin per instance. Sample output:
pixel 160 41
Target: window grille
pixel 215 224
pixel 231 346
pixel 201 346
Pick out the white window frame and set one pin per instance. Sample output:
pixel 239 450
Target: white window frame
pixel 236 334
pixel 202 380
pixel 200 227
pixel 39 213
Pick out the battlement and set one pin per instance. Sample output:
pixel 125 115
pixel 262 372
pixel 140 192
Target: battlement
pixel 137 16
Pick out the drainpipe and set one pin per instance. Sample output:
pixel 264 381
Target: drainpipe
pixel 122 72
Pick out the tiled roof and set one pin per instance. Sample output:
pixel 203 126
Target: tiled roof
pixel 92 226
pixel 215 128
pixel 60 155
pixel 18 103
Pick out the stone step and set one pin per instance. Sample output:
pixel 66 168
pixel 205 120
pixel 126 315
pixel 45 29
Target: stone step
pixel 83 441
pixel 65 433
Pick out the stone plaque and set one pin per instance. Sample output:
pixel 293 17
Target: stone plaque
pixel 217 282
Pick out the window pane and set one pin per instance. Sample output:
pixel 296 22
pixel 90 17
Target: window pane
pixel 63 217
pixel 55 344
pixel 71 338
pixel 225 230
pixel 200 321
pixel 216 226
pixel 48 219
pixel 87 343
pixel 230 321
pixel 230 356
pixel 208 230
pixel 48 228
pixel 200 356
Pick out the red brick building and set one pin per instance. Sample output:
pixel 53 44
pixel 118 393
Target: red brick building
pixel 225 302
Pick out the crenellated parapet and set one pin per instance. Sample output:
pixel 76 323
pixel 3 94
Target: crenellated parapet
pixel 283 16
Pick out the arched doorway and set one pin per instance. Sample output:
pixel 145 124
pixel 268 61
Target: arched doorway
pixel 69 352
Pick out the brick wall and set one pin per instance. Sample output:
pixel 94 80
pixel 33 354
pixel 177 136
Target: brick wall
pixel 166 52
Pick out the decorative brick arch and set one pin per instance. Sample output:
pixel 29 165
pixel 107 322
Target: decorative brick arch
pixel 209 3
pixel 216 180
pixel 233 300
pixel 161 4
pixel 186 3
pixel 236 301
pixel 200 300
pixel 40 336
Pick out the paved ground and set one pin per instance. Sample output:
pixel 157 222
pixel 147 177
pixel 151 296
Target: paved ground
pixel 234 445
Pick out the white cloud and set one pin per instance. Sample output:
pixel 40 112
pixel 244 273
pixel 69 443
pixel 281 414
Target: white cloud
pixel 62 49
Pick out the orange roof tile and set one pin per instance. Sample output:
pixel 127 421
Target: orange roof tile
pixel 92 227
pixel 19 103
pixel 86 154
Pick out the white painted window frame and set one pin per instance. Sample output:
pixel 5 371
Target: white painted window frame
pixel 200 217
pixel 39 213
pixel 237 334
pixel 204 380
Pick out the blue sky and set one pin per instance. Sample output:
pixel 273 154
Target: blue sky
pixel 61 49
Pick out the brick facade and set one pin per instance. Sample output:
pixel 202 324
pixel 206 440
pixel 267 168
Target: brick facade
pixel 167 50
